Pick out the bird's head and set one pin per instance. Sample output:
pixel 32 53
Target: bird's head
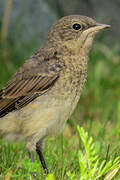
pixel 74 32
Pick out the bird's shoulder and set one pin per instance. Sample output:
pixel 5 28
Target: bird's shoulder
pixel 46 63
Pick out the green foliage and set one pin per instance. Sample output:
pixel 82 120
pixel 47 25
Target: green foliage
pixel 50 177
pixel 118 119
pixel 90 163
pixel 63 159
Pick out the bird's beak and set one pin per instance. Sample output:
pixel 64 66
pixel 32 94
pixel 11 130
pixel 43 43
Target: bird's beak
pixel 102 26
pixel 96 28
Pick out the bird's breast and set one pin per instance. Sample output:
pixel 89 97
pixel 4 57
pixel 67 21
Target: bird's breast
pixel 68 87
pixel 71 79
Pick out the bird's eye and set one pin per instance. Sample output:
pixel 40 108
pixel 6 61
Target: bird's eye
pixel 77 26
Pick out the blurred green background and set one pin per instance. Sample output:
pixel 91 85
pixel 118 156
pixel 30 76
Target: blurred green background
pixel 23 28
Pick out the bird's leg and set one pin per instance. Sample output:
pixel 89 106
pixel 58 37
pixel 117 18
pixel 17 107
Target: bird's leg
pixel 31 156
pixel 41 157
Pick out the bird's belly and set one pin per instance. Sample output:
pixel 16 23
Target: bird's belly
pixel 45 116
pixel 45 113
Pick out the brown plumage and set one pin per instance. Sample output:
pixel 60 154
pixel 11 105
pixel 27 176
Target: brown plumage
pixel 41 96
pixel 29 83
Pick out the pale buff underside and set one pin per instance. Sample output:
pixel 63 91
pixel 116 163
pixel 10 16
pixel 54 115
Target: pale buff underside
pixel 44 116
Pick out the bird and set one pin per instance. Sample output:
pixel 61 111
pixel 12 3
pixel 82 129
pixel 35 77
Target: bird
pixel 40 97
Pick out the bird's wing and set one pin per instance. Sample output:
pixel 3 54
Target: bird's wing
pixel 32 80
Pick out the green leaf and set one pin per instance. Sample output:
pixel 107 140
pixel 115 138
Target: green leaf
pixel 50 177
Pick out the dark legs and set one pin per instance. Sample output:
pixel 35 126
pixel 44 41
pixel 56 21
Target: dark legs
pixel 41 157
pixel 39 147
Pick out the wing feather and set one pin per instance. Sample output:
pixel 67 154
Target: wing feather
pixel 26 85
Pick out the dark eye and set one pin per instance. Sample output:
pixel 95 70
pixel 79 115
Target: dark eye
pixel 77 26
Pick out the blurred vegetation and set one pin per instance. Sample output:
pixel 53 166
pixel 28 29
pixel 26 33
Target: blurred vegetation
pixel 98 110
